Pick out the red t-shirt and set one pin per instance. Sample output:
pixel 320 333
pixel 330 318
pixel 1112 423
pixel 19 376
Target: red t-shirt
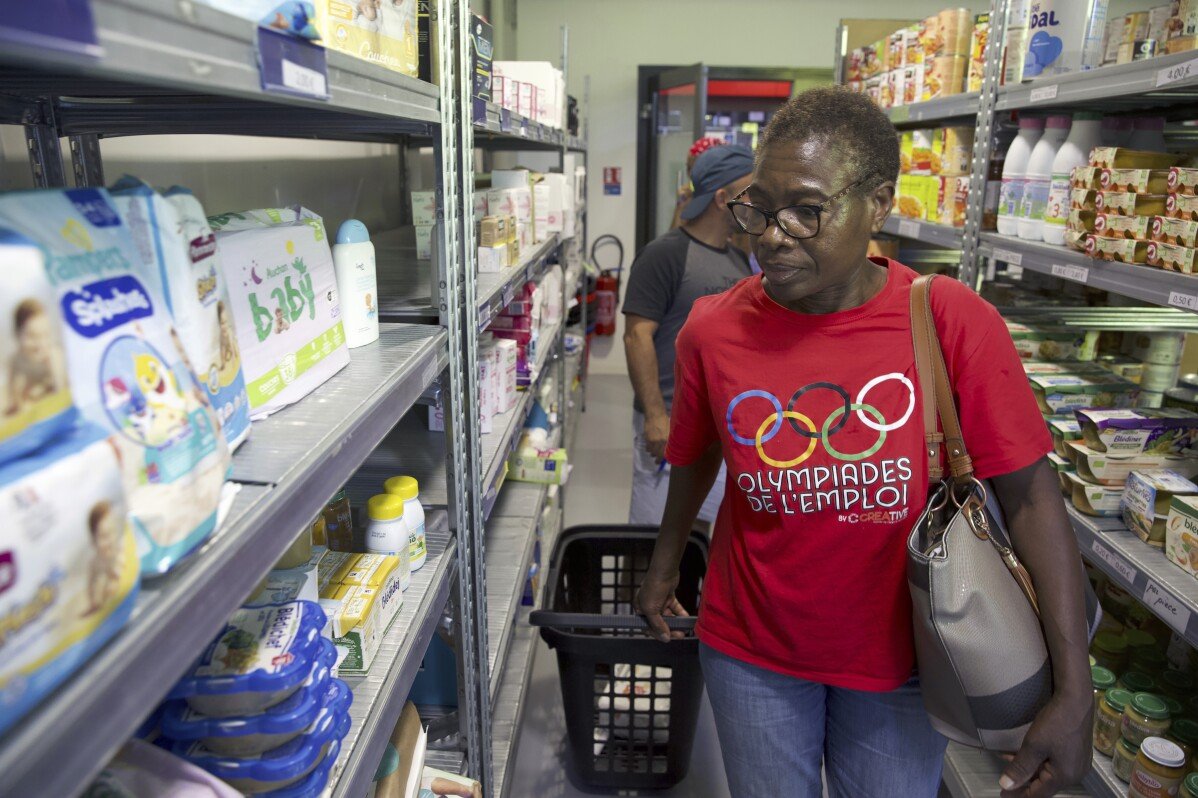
pixel 807 571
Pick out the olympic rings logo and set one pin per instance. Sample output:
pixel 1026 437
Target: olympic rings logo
pixel 869 415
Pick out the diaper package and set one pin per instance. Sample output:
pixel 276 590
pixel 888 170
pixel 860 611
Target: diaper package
pixel 68 564
pixel 127 369
pixel 35 394
pixel 173 232
pixel 279 271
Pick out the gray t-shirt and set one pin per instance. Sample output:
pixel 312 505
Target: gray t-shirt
pixel 671 272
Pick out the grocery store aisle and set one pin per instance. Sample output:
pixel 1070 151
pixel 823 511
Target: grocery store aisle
pixel 598 493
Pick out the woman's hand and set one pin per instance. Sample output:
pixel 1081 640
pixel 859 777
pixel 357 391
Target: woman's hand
pixel 656 601
pixel 1056 752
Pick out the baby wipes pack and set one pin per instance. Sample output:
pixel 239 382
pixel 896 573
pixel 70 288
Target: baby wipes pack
pixel 283 290
pixel 68 564
pixel 173 233
pixel 128 373
pixel 35 394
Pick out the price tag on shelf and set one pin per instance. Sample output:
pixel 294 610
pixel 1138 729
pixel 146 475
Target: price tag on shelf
pixel 484 317
pixel 289 65
pixel 1177 73
pixel 65 26
pixel 1044 93
pixel 1186 301
pixel 1125 571
pixel 1007 256
pixel 1079 274
pixel 1167 607
pixel 909 229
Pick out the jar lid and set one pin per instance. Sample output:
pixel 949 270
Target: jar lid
pixel 1131 747
pixel 1138 638
pixel 1138 682
pixel 1163 752
pixel 1118 699
pixel 1150 706
pixel 1110 641
pixel 406 488
pixel 1103 678
pixel 384 507
pixel 1148 659
pixel 1192 783
pixel 1173 705
pixel 1181 682
pixel 1185 730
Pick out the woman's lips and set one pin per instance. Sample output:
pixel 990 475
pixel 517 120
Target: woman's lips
pixel 781 274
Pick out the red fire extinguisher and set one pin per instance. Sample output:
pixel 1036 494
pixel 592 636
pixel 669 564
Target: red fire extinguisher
pixel 606 288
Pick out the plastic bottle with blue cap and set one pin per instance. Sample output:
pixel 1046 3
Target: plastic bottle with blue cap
pixel 357 283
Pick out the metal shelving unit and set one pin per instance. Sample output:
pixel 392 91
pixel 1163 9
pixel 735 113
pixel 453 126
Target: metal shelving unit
pixel 496 291
pixel 1102 781
pixel 510 542
pixel 970 773
pixel 940 235
pixel 1163 80
pixel 945 109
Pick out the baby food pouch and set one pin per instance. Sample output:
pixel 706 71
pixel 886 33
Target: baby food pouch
pixel 35 394
pixel 173 232
pixel 279 270
pixel 128 371
pixel 68 564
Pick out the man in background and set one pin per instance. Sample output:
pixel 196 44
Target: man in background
pixel 667 277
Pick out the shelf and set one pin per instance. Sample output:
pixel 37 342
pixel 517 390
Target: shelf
pixel 503 129
pixel 379 697
pixel 186 67
pixel 1101 781
pixel 509 550
pixel 404 281
pixel 940 235
pixel 953 107
pixel 1142 570
pixel 1146 283
pixel 970 773
pixel 497 290
pixel 1156 81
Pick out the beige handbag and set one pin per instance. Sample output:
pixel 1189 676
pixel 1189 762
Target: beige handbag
pixel 983 663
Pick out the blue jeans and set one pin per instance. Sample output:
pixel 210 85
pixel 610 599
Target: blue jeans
pixel 776 731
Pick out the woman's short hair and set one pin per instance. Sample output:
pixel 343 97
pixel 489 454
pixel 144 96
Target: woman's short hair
pixel 844 118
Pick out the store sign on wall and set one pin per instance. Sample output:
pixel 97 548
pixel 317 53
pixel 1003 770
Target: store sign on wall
pixel 611 180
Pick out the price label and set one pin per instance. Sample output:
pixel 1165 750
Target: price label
pixel 1117 564
pixel 484 317
pixel 1044 93
pixel 304 80
pixel 900 114
pixel 1186 301
pixel 1079 274
pixel 1166 606
pixel 65 25
pixel 289 65
pixel 909 229
pixel 1175 74
pixel 1007 256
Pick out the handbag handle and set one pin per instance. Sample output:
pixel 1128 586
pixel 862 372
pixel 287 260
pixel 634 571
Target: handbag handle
pixel 937 391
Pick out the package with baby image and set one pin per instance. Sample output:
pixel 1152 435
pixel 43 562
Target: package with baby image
pixel 279 271
pixel 128 369
pixel 68 564
pixel 173 233
pixel 35 392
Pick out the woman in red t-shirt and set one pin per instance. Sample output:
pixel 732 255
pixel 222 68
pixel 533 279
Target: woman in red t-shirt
pixel 803 381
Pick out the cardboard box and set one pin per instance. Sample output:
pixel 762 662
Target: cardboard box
pixel 1064 430
pixel 1096 500
pixel 492 259
pixel 1182 206
pixel 424 208
pixel 1164 431
pixel 508 362
pixel 482 49
pixel 944 77
pixel 1124 158
pixel 1103 468
pixel 1110 225
pixel 1065 393
pixel 1173 258
pixel 1146 500
pixel 1053 344
pixel 382 33
pixel 954 200
pixel 361 614
pixel 1182 232
pixel 1183 180
pixel 1122 250
pixel 541 466
pixel 1086 177
pixel 977 52
pixel 1137 181
pixel 1181 533
pixel 1083 199
pixel 1128 203
pixel 1081 221
pixel 952 151
pixel 424 241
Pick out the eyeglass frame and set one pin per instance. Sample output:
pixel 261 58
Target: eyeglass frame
pixel 773 215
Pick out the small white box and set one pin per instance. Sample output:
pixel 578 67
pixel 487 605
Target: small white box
pixel 492 260
pixel 424 242
pixel 480 203
pixel 502 202
pixel 508 357
pixel 526 99
pixel 523 198
pixel 424 208
pixel 544 115
pixel 511 178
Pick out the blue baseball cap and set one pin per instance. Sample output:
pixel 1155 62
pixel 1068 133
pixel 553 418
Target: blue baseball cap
pixel 713 170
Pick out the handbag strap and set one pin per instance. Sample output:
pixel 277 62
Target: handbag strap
pixel 936 388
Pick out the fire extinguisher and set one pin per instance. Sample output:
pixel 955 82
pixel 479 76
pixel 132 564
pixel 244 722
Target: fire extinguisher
pixel 607 289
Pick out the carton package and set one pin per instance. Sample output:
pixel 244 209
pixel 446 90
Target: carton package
pixel 1164 431
pixel 912 81
pixel 913 52
pixel 1124 158
pixel 424 207
pixel 1077 239
pixel 381 33
pixel 1083 199
pixel 1064 430
pixel 1137 181
pixel 1183 180
pixel 1103 468
pixel 1065 393
pixel 424 241
pixel 1158 22
pixel 1127 203
pixel 482 50
pixel 954 200
pixel 1181 533
pixel 977 52
pixel 508 362
pixel 492 259
pixel 1053 344
pixel 1115 226
pixel 1182 206
pixel 1173 257
pixel 1121 250
pixel 1063 468
pixel 1181 30
pixel 923 152
pixel 1182 232
pixel 952 151
pixel 1096 500
pixel 944 76
pixel 1082 221
pixel 1086 177
pixel 1113 40
pixel 1065 36
pixel 1147 497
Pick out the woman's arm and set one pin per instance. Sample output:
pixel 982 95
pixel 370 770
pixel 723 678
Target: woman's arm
pixel 689 486
pixel 1057 750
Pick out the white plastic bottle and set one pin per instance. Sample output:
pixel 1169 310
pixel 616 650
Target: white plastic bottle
pixel 1084 135
pixel 408 489
pixel 387 532
pixel 1014 174
pixel 357 283
pixel 1149 134
pixel 1039 178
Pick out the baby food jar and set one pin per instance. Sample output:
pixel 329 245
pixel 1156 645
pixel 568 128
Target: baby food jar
pixel 1184 732
pixel 1103 680
pixel 1189 787
pixel 1124 759
pixel 1159 769
pixel 1137 682
pixel 1146 660
pixel 1110 651
pixel 1137 639
pixel 1146 716
pixel 1176 684
pixel 1109 719
pixel 408 489
pixel 1116 601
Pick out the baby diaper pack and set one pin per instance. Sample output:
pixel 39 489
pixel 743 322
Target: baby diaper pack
pixel 279 271
pixel 35 395
pixel 172 232
pixel 68 564
pixel 128 370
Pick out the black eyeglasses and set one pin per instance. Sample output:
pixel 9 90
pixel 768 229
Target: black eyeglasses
pixel 797 221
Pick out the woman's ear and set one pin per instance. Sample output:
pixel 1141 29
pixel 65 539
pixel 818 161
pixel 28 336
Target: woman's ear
pixel 881 203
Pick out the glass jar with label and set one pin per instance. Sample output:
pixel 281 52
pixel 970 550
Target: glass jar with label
pixel 1184 732
pixel 1189 787
pixel 1137 682
pixel 1176 684
pixel 1138 639
pixel 1109 650
pixel 1146 660
pixel 1124 759
pixel 1116 601
pixel 1159 769
pixel 1103 680
pixel 1146 716
pixel 1108 720
pixel 1176 710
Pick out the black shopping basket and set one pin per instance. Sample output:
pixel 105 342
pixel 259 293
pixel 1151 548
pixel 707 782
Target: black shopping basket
pixel 631 702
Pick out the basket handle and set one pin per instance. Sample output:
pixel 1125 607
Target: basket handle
pixel 586 620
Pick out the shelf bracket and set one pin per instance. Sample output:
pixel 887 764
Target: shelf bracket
pixel 41 138
pixel 85 157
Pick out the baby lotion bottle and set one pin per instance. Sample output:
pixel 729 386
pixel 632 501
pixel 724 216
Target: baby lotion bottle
pixel 387 532
pixel 408 489
pixel 357 284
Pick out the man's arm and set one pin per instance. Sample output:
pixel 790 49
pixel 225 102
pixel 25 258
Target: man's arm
pixel 646 382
